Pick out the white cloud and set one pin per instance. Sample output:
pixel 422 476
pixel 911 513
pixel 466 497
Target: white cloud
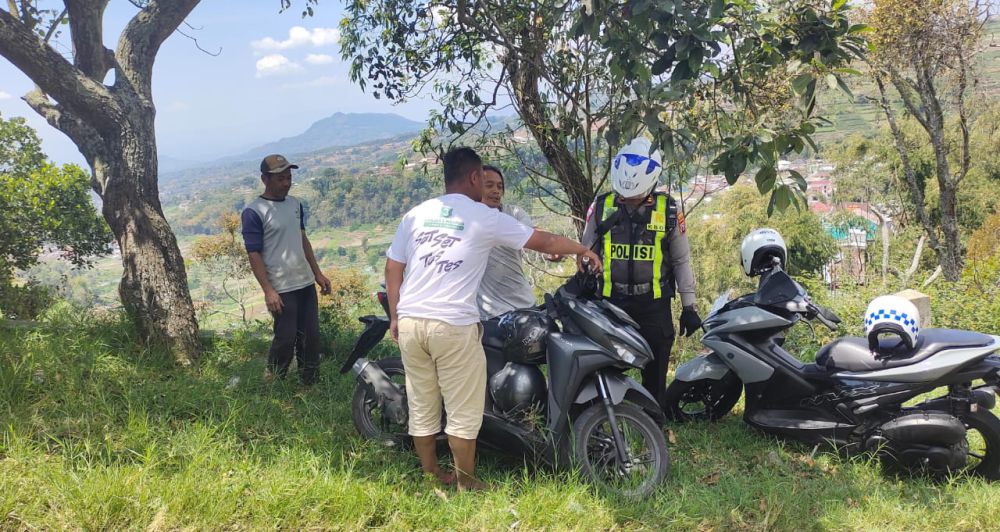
pixel 319 59
pixel 323 81
pixel 299 36
pixel 5 95
pixel 275 64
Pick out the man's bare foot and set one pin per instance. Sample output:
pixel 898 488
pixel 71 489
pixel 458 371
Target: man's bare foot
pixel 448 479
pixel 473 484
pixel 445 478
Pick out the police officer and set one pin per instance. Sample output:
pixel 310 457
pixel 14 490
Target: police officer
pixel 641 238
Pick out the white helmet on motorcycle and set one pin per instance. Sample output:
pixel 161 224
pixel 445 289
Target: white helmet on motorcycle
pixel 635 169
pixel 892 315
pixel 759 249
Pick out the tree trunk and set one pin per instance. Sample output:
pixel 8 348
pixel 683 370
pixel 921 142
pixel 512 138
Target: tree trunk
pixel 153 288
pixel 113 128
pixel 951 259
pixel 950 253
pixel 525 78
pixel 917 198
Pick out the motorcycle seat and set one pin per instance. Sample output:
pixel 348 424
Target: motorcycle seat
pixel 852 353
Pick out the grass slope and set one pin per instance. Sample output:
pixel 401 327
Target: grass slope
pixel 97 434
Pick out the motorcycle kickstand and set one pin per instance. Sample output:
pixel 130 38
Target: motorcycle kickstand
pixel 602 388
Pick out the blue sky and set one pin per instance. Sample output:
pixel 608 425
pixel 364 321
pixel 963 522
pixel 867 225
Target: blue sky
pixel 276 74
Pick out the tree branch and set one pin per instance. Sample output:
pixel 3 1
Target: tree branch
pixel 87 139
pixel 915 263
pixel 141 40
pixel 905 90
pixel 55 26
pixel 87 32
pixel 909 176
pixel 54 74
pixel 932 278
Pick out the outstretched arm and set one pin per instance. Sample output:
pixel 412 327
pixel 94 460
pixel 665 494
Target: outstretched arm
pixel 546 242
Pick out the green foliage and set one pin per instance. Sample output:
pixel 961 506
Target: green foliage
pixel 985 241
pixel 869 170
pixel 732 81
pixel 24 302
pixel 973 302
pixel 42 204
pixel 718 229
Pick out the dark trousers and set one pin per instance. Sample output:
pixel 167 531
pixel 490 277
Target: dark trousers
pixel 296 332
pixel 656 326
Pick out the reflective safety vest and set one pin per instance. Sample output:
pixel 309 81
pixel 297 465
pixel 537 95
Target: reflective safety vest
pixel 634 247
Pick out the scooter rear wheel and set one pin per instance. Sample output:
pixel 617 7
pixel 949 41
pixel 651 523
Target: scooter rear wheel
pixel 701 400
pixel 366 414
pixel 597 456
pixel 984 451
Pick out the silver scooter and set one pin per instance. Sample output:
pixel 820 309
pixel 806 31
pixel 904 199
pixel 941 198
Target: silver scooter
pixel 851 397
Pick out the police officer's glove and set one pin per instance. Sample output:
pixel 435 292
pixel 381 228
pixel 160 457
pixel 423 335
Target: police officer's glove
pixel 690 322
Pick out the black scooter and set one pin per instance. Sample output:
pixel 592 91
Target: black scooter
pixel 587 411
pixel 851 397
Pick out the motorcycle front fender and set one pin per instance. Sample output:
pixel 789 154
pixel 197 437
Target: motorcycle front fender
pixel 622 388
pixel 707 367
pixel 375 329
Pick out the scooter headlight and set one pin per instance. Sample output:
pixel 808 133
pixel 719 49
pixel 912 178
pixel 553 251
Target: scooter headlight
pixel 627 354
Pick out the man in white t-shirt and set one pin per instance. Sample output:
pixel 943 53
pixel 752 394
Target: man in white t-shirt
pixel 432 274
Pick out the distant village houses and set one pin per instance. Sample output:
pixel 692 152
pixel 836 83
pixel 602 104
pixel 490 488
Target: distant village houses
pixel 853 225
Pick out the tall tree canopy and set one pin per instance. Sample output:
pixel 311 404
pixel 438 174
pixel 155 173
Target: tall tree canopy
pixel 730 82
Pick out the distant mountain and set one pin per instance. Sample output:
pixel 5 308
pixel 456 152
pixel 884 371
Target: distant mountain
pixel 340 129
pixel 235 172
pixel 172 164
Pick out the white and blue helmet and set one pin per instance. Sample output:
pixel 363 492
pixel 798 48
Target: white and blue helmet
pixel 892 315
pixel 636 169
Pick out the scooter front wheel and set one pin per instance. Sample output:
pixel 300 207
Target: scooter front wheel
pixel 648 459
pixel 366 413
pixel 701 400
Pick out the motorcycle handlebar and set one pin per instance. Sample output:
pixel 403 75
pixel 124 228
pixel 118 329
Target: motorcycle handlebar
pixel 824 315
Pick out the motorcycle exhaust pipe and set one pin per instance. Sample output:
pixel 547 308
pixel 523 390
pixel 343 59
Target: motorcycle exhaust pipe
pixel 374 376
pixel 391 399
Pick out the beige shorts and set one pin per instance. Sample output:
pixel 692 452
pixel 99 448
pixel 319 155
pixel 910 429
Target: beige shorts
pixel 443 362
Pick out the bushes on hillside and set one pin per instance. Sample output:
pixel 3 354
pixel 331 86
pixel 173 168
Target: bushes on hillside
pixel 24 302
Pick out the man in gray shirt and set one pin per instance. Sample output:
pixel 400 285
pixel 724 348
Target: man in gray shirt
pixel 283 262
pixel 504 286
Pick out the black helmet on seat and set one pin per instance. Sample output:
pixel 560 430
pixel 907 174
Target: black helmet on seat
pixel 524 333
